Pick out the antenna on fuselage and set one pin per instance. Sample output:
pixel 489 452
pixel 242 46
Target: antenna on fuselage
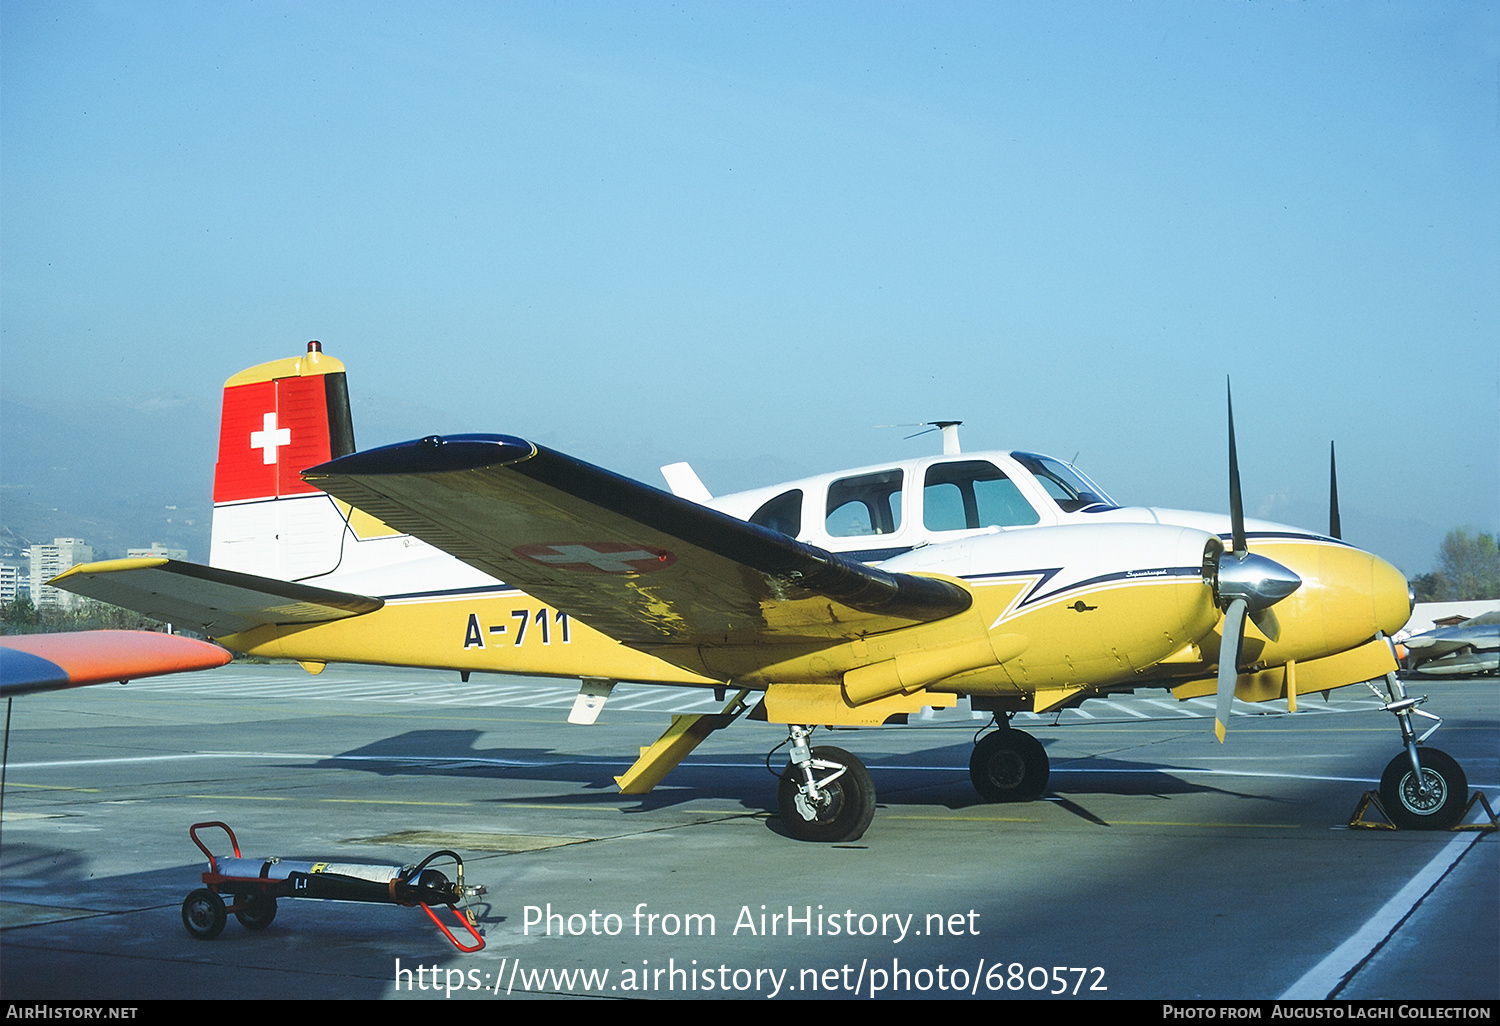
pixel 949 428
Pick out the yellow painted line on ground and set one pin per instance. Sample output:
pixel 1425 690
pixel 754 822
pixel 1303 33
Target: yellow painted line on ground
pixel 55 787
pixel 231 797
pixel 272 798
pixel 459 805
pixel 1112 822
pixel 740 813
pixel 1170 823
pixel 970 819
pixel 387 801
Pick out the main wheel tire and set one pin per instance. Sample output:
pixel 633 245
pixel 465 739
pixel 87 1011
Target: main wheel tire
pixel 848 803
pixel 256 911
pixel 1009 766
pixel 1439 809
pixel 203 914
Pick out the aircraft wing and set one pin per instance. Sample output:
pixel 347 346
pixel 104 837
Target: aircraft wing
pixel 645 567
pixel 213 601
pixel 51 662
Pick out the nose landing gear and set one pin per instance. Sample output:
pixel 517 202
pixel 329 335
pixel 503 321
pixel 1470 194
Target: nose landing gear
pixel 1422 788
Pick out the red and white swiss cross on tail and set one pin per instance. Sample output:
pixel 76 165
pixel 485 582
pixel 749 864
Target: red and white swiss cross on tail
pixel 598 557
pixel 270 432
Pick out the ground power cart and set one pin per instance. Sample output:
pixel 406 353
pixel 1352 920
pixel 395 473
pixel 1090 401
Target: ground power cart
pixel 254 885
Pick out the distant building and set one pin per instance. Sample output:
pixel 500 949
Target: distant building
pixel 10 583
pixel 156 551
pixel 47 561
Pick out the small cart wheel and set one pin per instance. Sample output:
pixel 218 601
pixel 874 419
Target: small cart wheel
pixel 256 911
pixel 203 914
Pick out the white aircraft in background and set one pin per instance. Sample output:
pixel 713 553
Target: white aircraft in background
pixel 852 598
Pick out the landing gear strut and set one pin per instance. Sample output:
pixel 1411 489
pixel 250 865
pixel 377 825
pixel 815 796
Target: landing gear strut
pixel 1422 788
pixel 826 794
pixel 1009 766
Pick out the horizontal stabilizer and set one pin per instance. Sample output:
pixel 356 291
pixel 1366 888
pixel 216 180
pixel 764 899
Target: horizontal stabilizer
pixel 51 662
pixel 206 599
pixel 650 569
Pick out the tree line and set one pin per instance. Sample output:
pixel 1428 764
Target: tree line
pixel 1468 568
pixel 23 617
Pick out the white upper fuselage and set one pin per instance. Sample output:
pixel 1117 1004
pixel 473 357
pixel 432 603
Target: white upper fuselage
pixel 881 511
pixel 873 514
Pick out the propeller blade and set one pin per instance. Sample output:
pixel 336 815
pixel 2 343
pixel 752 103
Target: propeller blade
pixel 1265 620
pixel 1229 662
pixel 1236 504
pixel 1245 584
pixel 1335 527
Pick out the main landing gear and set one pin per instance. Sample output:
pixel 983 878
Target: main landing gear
pixel 1009 765
pixel 1422 788
pixel 826 793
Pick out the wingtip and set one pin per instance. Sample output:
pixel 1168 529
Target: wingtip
pixel 430 455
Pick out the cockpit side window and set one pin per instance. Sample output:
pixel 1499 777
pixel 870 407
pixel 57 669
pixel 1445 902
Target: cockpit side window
pixel 971 494
pixel 783 513
pixel 868 504
pixel 1067 486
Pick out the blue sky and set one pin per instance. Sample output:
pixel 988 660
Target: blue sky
pixel 748 234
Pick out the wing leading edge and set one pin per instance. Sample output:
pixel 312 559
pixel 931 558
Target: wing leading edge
pixel 643 566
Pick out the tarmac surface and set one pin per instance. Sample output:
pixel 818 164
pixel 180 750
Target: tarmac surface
pixel 1160 865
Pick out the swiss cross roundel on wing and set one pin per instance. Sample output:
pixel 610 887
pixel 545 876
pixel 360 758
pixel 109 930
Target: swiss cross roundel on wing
pixel 614 558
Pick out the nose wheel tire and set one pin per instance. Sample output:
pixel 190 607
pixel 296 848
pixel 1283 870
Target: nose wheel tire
pixel 1439 806
pixel 844 807
pixel 203 914
pixel 1009 766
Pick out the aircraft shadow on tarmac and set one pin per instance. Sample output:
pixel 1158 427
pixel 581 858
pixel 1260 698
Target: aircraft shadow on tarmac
pixel 743 778
pixel 27 867
pixel 1092 775
pixel 453 753
pixel 49 877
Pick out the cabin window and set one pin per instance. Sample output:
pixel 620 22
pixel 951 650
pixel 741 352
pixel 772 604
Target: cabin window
pixel 1071 490
pixel 868 504
pixel 970 494
pixel 783 513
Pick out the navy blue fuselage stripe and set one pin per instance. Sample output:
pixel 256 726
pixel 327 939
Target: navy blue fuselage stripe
pixel 1035 594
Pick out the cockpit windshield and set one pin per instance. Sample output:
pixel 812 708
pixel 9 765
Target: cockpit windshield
pixel 1067 486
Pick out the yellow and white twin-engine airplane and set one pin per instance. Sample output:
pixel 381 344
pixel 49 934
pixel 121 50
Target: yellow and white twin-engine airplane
pixel 849 599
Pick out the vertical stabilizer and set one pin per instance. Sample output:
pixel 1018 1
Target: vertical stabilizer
pixel 280 418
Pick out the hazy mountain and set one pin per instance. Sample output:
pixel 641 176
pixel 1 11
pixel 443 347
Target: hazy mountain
pixel 118 474
pixel 124 473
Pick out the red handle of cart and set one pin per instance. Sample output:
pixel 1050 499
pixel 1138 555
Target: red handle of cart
pixel 464 920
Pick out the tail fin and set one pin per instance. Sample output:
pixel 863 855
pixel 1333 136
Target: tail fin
pixel 279 419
